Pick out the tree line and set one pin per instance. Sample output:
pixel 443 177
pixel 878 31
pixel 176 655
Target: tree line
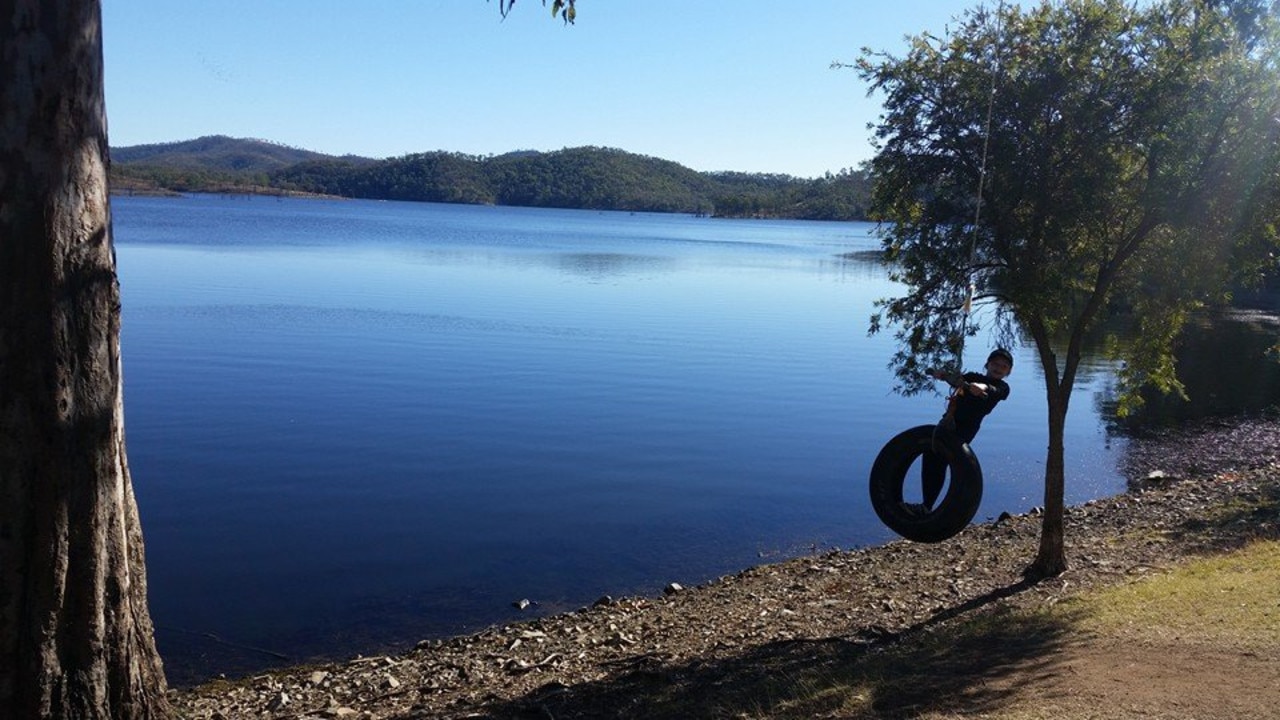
pixel 592 178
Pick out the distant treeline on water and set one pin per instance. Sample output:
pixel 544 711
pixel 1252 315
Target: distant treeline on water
pixel 587 177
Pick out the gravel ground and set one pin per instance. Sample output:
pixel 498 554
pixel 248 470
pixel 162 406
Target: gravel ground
pixel 1196 490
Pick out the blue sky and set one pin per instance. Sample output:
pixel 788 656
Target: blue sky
pixel 743 85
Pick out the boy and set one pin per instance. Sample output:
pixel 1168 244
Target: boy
pixel 976 395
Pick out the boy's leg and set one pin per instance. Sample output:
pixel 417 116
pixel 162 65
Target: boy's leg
pixel 933 474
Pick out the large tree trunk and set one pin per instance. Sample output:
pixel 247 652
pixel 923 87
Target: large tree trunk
pixel 75 634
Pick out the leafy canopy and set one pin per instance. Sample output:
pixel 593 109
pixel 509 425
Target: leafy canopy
pixel 1132 163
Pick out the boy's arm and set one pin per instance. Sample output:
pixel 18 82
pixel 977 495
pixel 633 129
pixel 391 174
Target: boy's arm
pixel 996 390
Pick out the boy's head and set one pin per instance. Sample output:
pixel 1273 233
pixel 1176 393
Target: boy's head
pixel 999 363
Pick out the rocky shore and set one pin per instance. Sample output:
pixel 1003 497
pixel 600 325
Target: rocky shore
pixel 1208 488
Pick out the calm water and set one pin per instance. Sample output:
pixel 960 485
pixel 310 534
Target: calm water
pixel 355 425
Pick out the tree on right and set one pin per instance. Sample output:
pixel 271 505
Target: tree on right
pixel 1072 163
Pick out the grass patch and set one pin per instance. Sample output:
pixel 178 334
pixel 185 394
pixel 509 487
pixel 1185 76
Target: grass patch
pixel 1228 600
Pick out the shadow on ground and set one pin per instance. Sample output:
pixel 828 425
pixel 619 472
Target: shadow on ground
pixel 966 669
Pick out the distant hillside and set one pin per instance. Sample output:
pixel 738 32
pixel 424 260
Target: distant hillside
pixel 214 163
pixel 218 152
pixel 585 177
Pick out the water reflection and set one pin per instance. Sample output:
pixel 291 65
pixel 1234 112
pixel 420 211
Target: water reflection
pixel 1229 365
pixel 603 265
pixel 862 266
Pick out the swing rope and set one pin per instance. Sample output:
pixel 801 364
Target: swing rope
pixel 967 487
pixel 971 287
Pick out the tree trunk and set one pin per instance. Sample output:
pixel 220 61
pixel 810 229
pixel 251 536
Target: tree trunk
pixel 76 638
pixel 1051 559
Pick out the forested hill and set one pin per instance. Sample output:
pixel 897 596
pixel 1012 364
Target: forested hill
pixel 587 177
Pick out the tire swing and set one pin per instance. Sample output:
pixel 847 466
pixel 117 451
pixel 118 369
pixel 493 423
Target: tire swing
pixel 953 511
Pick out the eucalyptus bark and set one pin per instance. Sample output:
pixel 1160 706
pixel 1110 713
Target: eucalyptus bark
pixel 76 638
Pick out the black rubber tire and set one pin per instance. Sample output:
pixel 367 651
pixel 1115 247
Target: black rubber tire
pixel 952 512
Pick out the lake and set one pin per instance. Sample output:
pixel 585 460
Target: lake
pixel 356 425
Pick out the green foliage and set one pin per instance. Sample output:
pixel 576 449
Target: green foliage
pixel 597 179
pixel 587 177
pixel 1133 161
pixel 844 196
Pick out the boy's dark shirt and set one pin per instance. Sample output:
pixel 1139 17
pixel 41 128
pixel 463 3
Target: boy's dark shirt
pixel 970 409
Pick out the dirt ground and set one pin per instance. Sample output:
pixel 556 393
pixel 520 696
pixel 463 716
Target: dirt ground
pixel 1105 678
pixel 799 638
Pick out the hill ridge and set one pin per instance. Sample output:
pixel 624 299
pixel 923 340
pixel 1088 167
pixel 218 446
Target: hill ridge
pixel 588 177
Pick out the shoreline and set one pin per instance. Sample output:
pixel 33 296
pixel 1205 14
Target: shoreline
pixel 233 191
pixel 870 596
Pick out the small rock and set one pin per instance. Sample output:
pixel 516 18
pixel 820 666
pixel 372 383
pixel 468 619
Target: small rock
pixel 391 683
pixel 603 601
pixel 278 702
pixel 621 639
pixel 673 588
pixel 521 604
pixel 1003 517
pixel 318 677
